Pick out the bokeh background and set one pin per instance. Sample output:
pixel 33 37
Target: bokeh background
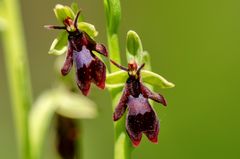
pixel 194 44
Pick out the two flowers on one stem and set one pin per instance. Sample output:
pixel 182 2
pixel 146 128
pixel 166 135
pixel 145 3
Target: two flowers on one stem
pixel 141 117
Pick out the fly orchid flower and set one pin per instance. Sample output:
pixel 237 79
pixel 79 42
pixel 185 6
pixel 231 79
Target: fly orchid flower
pixel 141 117
pixel 89 68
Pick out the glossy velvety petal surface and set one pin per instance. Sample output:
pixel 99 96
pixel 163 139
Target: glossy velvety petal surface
pixel 98 73
pixel 83 60
pixel 141 118
pixel 89 69
pixel 153 135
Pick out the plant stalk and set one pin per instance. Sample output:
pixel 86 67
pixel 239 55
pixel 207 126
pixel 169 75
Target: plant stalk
pixel 122 144
pixel 18 73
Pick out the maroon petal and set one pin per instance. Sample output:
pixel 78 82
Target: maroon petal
pixel 98 70
pixel 100 48
pixel 83 60
pixel 154 96
pixel 153 135
pixel 135 137
pixel 141 117
pixel 68 61
pixel 122 105
pixel 92 45
pixel 84 80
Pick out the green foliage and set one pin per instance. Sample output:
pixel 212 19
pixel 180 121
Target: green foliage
pixel 17 70
pixel 2 24
pixel 113 13
pixel 2 19
pixel 113 16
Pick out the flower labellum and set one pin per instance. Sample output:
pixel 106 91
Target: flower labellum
pixel 89 68
pixel 141 117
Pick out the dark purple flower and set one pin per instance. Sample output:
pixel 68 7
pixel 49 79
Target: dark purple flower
pixel 89 68
pixel 141 117
pixel 67 137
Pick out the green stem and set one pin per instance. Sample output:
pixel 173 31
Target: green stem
pixel 114 51
pixel 122 144
pixel 18 74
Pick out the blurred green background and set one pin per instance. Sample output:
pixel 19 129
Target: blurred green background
pixel 194 44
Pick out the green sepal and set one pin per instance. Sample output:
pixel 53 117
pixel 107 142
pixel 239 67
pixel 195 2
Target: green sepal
pixel 119 78
pixel 59 44
pixel 116 79
pixel 155 79
pixel 88 28
pixel 62 12
pixel 134 47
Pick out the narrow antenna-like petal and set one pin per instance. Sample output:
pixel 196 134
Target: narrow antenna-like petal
pixel 119 66
pixel 54 27
pixel 76 19
pixel 139 69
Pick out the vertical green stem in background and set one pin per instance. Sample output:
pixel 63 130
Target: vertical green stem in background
pixel 113 16
pixel 113 48
pixel 18 74
pixel 122 145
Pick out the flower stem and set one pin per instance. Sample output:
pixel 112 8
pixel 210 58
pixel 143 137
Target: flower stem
pixel 122 144
pixel 18 74
pixel 113 48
